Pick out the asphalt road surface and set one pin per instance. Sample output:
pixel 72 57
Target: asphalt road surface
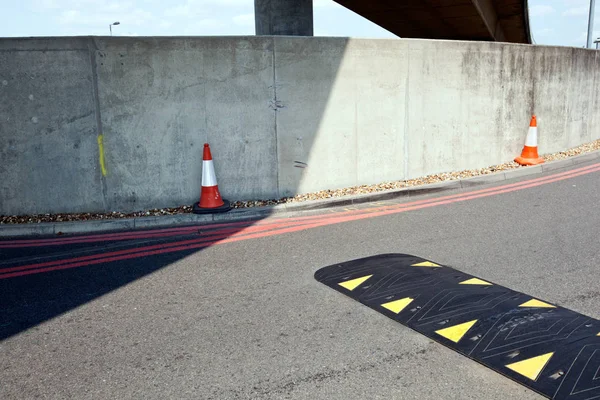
pixel 233 311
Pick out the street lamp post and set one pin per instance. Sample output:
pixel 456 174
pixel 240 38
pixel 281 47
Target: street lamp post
pixel 118 23
pixel 597 41
pixel 591 24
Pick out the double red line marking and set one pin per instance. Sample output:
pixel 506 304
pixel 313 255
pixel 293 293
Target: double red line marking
pixel 234 232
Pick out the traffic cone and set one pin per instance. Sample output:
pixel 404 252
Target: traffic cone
pixel 210 198
pixel 529 155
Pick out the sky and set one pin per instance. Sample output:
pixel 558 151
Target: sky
pixel 553 22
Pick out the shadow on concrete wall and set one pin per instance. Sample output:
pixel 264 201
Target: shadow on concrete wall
pixel 154 102
pixel 151 104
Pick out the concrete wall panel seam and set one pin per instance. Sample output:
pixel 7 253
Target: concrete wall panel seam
pixel 275 112
pixel 406 116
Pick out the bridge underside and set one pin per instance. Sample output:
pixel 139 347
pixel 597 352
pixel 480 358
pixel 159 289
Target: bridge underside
pixel 488 20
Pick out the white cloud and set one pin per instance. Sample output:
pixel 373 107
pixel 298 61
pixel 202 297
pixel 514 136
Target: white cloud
pixel 324 32
pixel 118 7
pixel 189 9
pixel 244 20
pixel 578 8
pixel 209 23
pixel 544 32
pixel 577 11
pixel 192 8
pixel 40 5
pixel 135 17
pixel 569 3
pixel 179 11
pixel 207 26
pixel 81 4
pixel 582 38
pixel 540 10
pixel 230 2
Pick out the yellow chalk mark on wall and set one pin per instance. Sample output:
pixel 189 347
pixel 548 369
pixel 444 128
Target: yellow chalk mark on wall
pixel 101 154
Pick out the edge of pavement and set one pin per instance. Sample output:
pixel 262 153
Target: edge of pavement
pixel 93 226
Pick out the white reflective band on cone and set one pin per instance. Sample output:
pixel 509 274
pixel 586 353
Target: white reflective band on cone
pixel 531 137
pixel 209 178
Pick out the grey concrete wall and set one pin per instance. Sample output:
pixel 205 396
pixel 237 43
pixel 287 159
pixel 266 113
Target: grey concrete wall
pixel 48 145
pixel 283 115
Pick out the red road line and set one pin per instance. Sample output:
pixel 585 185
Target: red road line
pixel 204 239
pixel 175 231
pixel 57 242
pixel 116 237
pixel 193 244
pixel 102 237
pixel 150 234
pixel 154 252
pixel 447 200
pixel 492 189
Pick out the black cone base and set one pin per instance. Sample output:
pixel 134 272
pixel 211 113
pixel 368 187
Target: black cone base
pixel 224 208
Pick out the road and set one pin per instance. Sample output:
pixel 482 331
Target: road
pixel 233 311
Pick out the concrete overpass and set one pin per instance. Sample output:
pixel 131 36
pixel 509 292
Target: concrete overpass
pixel 482 20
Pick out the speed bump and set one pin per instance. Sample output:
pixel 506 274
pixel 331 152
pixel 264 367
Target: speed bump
pixel 548 348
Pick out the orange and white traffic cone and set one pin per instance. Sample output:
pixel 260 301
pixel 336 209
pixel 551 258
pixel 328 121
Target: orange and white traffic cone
pixel 529 155
pixel 210 198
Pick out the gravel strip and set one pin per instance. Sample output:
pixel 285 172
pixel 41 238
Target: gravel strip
pixel 38 218
pixel 322 195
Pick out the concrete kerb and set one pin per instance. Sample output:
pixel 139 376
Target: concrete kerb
pixel 95 226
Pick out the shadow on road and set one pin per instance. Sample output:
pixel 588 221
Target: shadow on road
pixel 44 278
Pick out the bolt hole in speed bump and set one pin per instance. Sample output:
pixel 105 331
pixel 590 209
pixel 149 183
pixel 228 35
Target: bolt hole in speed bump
pixel 549 349
pixel 210 197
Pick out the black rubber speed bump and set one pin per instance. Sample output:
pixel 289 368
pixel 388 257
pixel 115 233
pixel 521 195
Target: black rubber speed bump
pixel 549 349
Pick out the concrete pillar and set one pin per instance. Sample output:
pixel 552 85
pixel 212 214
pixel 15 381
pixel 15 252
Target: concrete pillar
pixel 284 17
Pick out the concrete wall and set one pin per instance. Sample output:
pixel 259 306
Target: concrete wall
pixel 283 115
pixel 48 145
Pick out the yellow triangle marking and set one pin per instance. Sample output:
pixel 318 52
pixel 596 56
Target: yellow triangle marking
pixel 426 264
pixel 532 367
pixel 397 305
pixel 354 283
pixel 475 281
pixel 537 303
pixel 455 333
